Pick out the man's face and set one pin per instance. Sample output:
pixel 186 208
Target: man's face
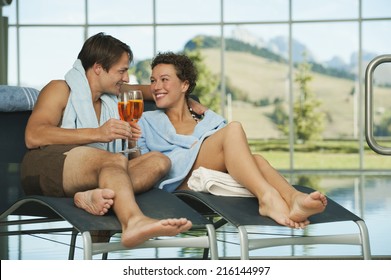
pixel 112 80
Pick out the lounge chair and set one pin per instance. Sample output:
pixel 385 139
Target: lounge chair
pixel 44 212
pixel 243 212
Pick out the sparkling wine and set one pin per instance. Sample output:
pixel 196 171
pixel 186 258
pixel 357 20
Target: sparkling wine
pixel 137 108
pixel 125 110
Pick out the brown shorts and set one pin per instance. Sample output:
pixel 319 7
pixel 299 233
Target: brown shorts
pixel 42 170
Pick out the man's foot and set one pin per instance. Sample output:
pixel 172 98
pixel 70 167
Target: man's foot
pixel 306 205
pixel 146 228
pixel 96 201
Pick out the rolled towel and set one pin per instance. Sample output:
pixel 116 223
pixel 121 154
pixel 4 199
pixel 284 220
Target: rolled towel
pixel 216 183
pixel 15 98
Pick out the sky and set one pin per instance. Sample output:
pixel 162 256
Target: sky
pixel 61 44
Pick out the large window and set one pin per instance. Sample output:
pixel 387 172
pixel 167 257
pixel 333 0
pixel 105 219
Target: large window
pixel 271 58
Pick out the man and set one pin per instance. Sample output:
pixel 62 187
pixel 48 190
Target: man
pixel 72 137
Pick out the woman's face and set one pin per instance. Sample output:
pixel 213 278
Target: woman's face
pixel 167 89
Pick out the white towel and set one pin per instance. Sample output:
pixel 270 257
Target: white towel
pixel 79 112
pixel 216 183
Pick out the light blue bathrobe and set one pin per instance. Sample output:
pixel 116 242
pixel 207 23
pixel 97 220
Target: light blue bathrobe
pixel 158 134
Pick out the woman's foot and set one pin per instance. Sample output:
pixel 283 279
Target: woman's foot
pixel 273 206
pixel 96 201
pixel 143 228
pixel 306 205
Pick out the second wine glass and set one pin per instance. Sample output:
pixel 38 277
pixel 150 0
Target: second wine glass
pixel 130 108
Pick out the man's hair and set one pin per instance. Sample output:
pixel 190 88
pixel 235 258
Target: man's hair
pixel 103 49
pixel 184 67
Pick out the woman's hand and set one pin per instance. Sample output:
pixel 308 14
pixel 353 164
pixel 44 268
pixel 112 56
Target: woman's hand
pixel 136 131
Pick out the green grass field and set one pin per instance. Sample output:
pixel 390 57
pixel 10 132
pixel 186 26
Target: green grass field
pixel 320 155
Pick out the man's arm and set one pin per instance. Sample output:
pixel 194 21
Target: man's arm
pixel 197 107
pixel 43 126
pixel 146 90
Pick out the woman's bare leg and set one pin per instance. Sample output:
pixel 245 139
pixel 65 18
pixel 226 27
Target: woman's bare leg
pixel 301 205
pixel 110 172
pixel 227 150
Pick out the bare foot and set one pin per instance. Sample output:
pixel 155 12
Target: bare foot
pixel 298 225
pixel 146 228
pixel 272 205
pixel 96 201
pixel 306 205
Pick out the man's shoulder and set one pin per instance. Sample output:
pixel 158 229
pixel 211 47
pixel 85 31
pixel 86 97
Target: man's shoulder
pixel 58 83
pixel 56 86
pixel 55 90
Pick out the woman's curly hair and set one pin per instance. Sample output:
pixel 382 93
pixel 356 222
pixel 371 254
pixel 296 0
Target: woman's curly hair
pixel 185 69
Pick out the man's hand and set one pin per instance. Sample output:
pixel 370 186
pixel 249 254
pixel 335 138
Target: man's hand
pixel 114 129
pixel 197 107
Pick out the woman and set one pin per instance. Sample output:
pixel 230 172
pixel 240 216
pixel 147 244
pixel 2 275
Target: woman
pixel 192 141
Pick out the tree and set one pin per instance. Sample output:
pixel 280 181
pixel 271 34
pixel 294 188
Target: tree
pixel 280 117
pixel 308 119
pixel 142 71
pixel 207 83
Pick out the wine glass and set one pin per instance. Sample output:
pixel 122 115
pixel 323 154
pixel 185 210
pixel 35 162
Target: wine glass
pixel 137 108
pixel 125 115
pixel 130 108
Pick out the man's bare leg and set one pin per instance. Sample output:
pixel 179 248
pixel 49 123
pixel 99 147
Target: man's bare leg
pixel 156 164
pixel 109 171
pixel 139 229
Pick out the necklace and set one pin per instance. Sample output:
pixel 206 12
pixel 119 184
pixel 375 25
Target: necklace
pixel 197 120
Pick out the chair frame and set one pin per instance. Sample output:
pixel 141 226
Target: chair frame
pixel 243 212
pixel 52 209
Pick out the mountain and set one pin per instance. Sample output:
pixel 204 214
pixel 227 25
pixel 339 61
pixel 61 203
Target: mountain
pixel 280 45
pixel 335 94
pixel 338 63
pixel 336 66
pixel 273 51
